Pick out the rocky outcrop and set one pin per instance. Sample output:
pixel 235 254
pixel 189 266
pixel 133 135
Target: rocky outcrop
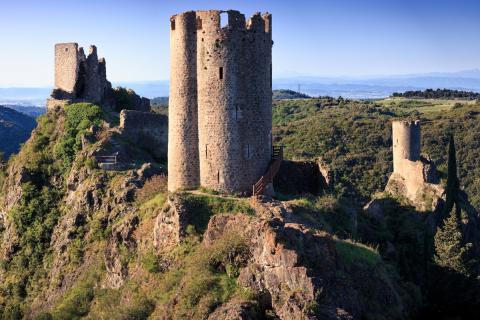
pixel 235 311
pixel 170 224
pixel 117 268
pixel 423 196
pixel 294 270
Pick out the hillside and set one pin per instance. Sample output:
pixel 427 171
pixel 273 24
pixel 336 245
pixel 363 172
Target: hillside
pixel 15 129
pixel 81 242
pixel 27 110
pixel 288 94
pixel 438 94
pixel 354 137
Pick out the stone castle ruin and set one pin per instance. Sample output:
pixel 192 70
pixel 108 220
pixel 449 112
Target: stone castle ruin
pixel 220 108
pixel 414 176
pixel 80 78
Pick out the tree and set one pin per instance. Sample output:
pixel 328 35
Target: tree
pixel 453 184
pixel 450 252
pixel 451 249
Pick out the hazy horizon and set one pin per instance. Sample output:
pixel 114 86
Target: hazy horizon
pixel 326 38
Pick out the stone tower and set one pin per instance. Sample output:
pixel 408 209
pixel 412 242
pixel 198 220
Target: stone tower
pixel 79 77
pixel 414 176
pixel 221 94
pixel 406 143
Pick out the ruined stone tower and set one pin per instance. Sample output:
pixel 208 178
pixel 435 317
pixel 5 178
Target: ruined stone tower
pixel 79 77
pixel 414 176
pixel 406 143
pixel 220 100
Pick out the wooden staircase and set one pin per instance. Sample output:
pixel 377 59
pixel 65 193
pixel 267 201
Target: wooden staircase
pixel 261 185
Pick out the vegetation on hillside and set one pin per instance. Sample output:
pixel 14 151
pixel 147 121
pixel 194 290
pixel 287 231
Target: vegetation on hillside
pixel 438 94
pixel 288 94
pixel 400 248
pixel 47 159
pixel 354 137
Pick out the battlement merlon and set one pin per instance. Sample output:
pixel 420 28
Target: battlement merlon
pixel 211 21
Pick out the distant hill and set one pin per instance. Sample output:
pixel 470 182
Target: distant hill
pixel 15 129
pixel 288 94
pixel 159 101
pixel 28 110
pixel 438 94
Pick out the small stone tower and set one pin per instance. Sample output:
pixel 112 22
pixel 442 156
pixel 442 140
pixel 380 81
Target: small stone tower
pixel 406 143
pixel 414 176
pixel 220 100
pixel 79 77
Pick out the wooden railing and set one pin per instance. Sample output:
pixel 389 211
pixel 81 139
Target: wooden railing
pixel 267 178
pixel 107 159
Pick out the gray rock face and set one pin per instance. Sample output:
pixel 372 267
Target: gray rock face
pixel 117 270
pixel 235 311
pixel 293 270
pixel 170 224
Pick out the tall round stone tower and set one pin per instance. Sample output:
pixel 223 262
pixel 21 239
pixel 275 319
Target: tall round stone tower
pixel 406 143
pixel 234 98
pixel 183 163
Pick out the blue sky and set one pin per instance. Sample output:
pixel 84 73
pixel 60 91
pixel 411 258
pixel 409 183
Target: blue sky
pixel 318 38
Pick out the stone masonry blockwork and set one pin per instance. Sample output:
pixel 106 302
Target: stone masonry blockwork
pixel 232 91
pixel 406 144
pixel 67 65
pixel 183 163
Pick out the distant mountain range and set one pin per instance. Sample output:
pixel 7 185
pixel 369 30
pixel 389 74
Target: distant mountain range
pixel 348 87
pixel 15 129
pixel 31 111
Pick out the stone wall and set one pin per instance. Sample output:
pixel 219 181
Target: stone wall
pixel 300 177
pixel 146 130
pixel 232 88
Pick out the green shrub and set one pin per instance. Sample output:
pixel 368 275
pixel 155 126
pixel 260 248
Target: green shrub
pixel 12 311
pixel 44 316
pixel 78 118
pixel 202 207
pixel 76 303
pixel 124 98
pixel 356 254
pixel 153 186
pixel 139 309
pixel 150 262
